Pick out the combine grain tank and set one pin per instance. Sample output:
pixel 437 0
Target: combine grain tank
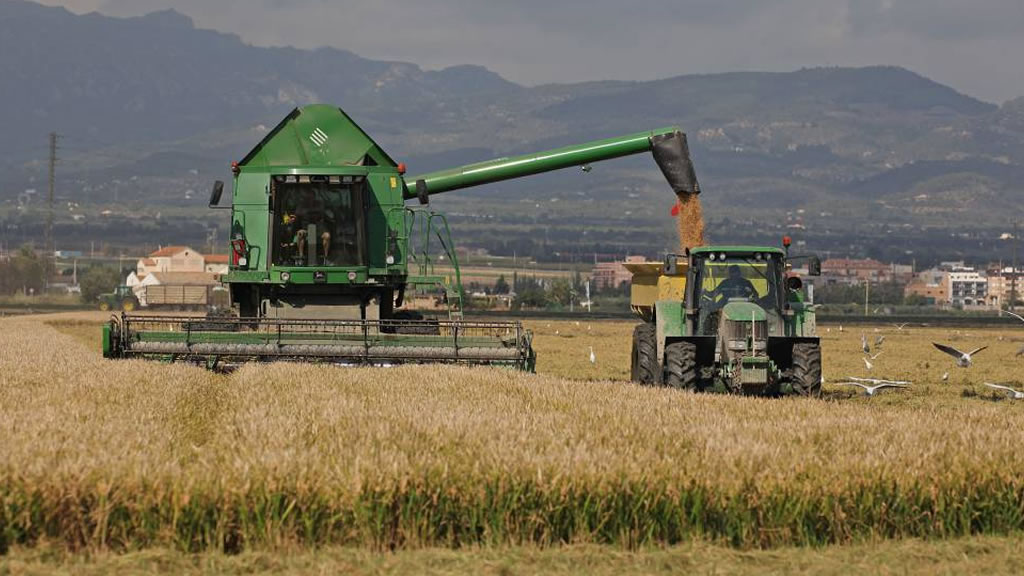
pixel 324 249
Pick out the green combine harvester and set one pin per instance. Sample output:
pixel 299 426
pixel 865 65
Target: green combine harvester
pixel 324 250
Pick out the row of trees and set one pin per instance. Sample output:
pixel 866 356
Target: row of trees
pixel 25 272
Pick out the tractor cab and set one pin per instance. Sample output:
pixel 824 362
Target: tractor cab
pixel 732 283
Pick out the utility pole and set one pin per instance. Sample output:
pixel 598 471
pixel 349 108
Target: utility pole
pixel 867 291
pixel 50 247
pixel 1013 273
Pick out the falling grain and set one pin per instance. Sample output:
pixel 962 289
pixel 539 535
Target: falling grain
pixel 691 222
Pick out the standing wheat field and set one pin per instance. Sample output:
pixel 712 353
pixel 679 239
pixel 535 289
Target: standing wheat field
pixel 120 455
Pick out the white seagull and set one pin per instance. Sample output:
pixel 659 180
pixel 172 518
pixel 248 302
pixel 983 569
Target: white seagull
pixel 963 359
pixel 878 384
pixel 1015 394
pixel 593 358
pixel 867 363
pixel 945 376
pixel 864 344
pixel 1017 316
pixel 879 341
pixel 901 326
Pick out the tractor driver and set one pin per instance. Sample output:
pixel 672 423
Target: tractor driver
pixel 735 286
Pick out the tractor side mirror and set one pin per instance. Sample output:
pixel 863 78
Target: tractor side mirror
pixel 814 266
pixel 218 189
pixel 671 267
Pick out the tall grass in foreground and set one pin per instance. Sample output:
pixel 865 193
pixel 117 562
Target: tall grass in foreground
pixel 123 455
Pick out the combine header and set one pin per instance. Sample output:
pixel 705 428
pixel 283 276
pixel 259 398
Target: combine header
pixel 324 251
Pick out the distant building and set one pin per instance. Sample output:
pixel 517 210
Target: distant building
pixel 177 265
pixel 1000 285
pixel 613 274
pixel 930 285
pixel 967 288
pixel 855 272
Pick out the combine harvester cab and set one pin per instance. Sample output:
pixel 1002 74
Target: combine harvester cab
pixel 726 319
pixel 324 251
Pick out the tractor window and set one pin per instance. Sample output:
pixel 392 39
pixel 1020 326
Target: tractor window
pixel 747 279
pixel 736 278
pixel 318 221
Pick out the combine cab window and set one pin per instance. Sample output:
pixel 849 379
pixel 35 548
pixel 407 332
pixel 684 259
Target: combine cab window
pixel 318 221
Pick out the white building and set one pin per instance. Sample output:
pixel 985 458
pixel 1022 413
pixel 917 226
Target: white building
pixel 967 288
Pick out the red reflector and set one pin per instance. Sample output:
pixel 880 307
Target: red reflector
pixel 675 209
pixel 786 241
pixel 401 167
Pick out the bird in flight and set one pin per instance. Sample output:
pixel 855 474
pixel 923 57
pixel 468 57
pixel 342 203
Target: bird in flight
pixel 1015 394
pixel 864 344
pixel 963 359
pixel 875 384
pixel 901 326
pixel 867 359
pixel 1017 316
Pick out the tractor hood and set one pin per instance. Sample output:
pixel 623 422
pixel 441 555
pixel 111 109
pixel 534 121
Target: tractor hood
pixel 744 312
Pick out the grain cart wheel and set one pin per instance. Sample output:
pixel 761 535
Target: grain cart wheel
pixel 807 369
pixel 644 365
pixel 681 365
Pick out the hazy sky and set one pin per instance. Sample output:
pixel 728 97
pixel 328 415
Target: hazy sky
pixel 974 46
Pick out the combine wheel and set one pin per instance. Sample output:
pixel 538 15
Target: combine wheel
pixel 644 365
pixel 681 365
pixel 807 369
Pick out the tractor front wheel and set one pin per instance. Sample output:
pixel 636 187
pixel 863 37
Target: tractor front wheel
pixel 681 365
pixel 105 306
pixel 644 365
pixel 807 369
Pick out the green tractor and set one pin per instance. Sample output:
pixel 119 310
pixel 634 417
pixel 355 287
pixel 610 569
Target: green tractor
pixel 726 319
pixel 122 298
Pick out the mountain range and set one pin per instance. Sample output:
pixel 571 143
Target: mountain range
pixel 151 109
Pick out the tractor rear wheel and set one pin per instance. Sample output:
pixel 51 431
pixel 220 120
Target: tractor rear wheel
pixel 681 365
pixel 807 369
pixel 644 365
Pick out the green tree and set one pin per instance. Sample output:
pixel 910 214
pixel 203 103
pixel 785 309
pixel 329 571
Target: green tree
pixel 560 293
pixel 98 280
pixel 23 272
pixel 501 285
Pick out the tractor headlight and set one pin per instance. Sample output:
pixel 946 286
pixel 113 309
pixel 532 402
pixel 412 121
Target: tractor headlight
pixel 286 276
pixel 351 276
pixel 390 259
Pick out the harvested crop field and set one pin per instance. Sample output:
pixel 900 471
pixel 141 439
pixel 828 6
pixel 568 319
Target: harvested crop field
pixel 102 455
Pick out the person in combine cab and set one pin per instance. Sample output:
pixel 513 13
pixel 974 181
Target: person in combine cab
pixel 735 286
